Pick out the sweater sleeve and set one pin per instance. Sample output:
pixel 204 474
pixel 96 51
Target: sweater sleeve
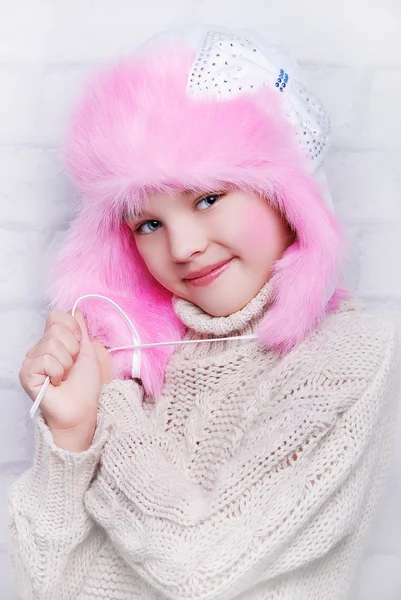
pixel 49 522
pixel 289 495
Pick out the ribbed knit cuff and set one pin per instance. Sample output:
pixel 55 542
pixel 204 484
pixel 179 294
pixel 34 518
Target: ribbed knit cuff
pixel 59 479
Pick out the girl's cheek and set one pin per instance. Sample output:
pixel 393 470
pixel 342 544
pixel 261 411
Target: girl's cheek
pixel 146 252
pixel 257 226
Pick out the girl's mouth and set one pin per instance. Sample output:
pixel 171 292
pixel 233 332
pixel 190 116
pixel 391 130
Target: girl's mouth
pixel 210 276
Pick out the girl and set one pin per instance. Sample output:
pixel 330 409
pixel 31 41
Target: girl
pixel 246 462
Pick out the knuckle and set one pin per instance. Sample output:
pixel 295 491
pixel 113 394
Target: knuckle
pixel 53 344
pixel 54 369
pixel 49 362
pixel 50 318
pixel 68 363
pixel 53 318
pixel 57 327
pixel 75 351
pixel 57 330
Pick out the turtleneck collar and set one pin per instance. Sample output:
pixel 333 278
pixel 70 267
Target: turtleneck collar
pixel 243 321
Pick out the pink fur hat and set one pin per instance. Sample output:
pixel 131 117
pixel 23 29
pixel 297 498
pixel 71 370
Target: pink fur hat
pixel 178 114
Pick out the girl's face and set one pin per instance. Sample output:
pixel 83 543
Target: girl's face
pixel 215 250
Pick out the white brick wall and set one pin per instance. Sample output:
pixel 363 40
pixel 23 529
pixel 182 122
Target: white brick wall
pixel 351 56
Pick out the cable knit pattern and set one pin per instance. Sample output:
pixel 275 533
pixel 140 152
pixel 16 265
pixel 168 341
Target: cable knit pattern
pixel 253 477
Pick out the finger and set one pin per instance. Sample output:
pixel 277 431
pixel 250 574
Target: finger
pixel 79 317
pixel 65 318
pixel 54 347
pixel 85 343
pixel 61 332
pixel 40 368
pixel 104 359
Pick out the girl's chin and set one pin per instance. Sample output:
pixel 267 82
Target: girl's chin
pixel 220 303
pixel 225 296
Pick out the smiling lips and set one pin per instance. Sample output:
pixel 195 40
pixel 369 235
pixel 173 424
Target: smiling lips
pixel 208 274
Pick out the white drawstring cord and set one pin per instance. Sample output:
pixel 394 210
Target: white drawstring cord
pixel 221 339
pixel 137 347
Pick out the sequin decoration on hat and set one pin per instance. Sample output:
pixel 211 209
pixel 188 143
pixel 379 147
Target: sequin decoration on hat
pixel 227 64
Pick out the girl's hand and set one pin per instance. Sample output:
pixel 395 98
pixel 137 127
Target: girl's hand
pixel 77 368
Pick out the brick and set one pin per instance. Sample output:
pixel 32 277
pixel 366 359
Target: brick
pixel 20 329
pixel 115 29
pixel 16 427
pixel 365 185
pixel 23 31
pixel 380 252
pixel 20 268
pixel 20 100
pixel 384 125
pixel 339 90
pixel 62 86
pixel 6 480
pixel 351 265
pixel 387 519
pixel 388 309
pixel 358 33
pixel 36 178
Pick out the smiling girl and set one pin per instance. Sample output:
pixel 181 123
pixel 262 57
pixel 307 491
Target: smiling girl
pixel 245 459
pixel 188 242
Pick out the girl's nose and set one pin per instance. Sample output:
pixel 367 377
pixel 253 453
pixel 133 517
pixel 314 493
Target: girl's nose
pixel 185 242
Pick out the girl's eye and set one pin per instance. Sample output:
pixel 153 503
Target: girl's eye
pixel 152 225
pixel 148 227
pixel 208 201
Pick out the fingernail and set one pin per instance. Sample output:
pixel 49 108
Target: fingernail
pixel 78 335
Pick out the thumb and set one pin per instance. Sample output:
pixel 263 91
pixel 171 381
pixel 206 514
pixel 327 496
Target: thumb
pixel 104 360
pixel 94 348
pixel 82 323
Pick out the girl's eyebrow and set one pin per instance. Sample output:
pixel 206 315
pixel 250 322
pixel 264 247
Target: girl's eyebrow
pixel 189 192
pixel 134 216
pixel 223 188
pixel 140 213
pixel 199 192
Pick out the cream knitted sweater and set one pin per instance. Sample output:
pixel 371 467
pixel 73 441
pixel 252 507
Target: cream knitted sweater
pixel 254 476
